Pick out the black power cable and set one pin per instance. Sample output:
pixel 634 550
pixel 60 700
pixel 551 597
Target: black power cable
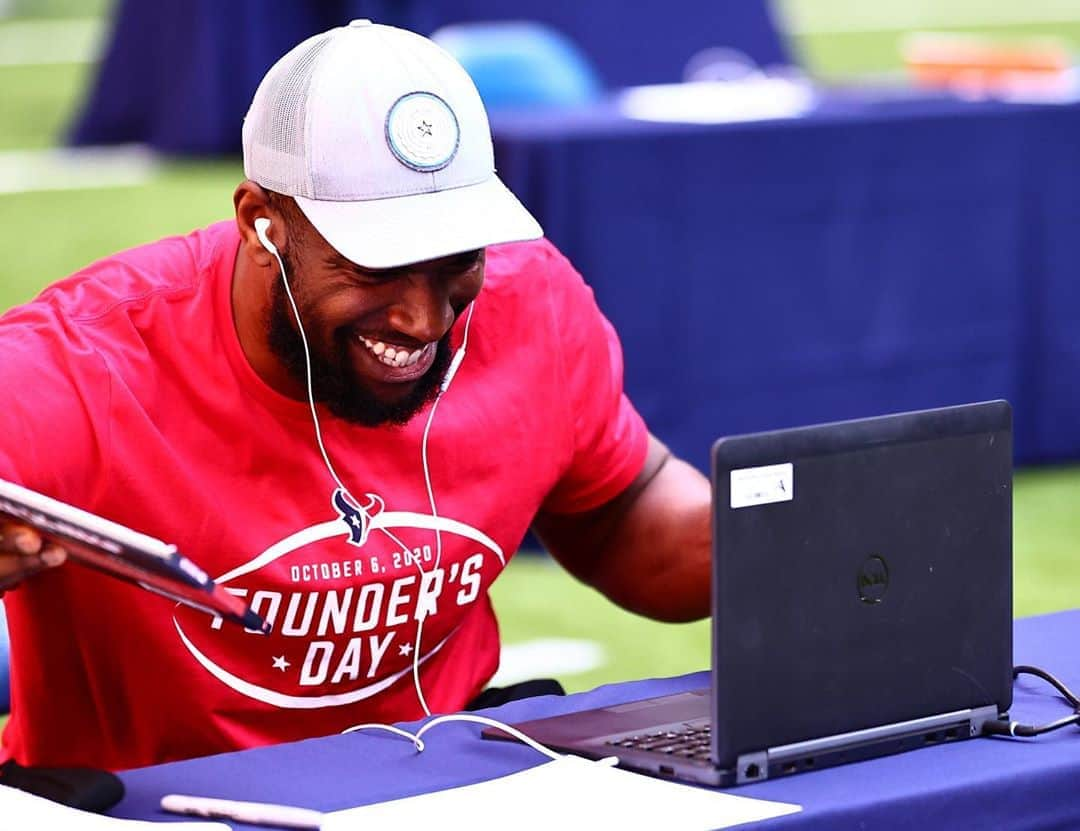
pixel 1011 728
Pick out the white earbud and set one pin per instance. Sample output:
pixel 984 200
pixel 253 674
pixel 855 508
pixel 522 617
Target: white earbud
pixel 262 224
pixel 459 356
pixel 455 362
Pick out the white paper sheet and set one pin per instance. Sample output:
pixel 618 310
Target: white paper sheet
pixel 20 811
pixel 568 793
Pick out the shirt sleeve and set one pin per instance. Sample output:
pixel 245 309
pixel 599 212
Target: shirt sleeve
pixel 607 438
pixel 54 428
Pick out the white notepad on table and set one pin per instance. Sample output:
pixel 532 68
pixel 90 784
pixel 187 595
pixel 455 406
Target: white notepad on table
pixel 569 793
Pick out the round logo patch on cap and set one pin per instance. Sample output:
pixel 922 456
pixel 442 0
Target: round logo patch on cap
pixel 422 131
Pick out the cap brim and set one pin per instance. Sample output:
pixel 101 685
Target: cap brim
pixel 387 233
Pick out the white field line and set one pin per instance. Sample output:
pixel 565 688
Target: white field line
pixel 43 42
pixel 547 658
pixel 25 171
pixel 816 17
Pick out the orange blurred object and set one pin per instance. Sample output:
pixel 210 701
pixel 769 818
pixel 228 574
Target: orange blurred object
pixel 977 64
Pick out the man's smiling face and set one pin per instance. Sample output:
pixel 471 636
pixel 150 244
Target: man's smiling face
pixel 379 339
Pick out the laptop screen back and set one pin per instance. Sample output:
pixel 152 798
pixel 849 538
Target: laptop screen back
pixel 863 576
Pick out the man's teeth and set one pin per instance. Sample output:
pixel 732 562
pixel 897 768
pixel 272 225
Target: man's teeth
pixel 392 355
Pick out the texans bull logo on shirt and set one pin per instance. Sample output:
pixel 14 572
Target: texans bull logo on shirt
pixel 344 599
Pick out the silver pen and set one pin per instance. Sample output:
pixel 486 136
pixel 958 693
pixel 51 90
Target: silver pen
pixel 253 813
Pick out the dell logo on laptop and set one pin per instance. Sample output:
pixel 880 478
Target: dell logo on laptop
pixel 873 579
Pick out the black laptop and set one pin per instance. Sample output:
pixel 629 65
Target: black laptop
pixel 862 603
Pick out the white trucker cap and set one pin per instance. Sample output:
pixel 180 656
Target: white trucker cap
pixel 381 138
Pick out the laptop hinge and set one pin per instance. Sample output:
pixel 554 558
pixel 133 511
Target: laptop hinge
pixel 754 767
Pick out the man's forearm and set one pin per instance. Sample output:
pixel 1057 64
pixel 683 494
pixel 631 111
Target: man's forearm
pixel 649 550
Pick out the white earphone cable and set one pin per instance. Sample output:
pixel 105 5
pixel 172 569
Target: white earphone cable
pixel 455 363
pixel 459 356
pixel 310 388
pixel 314 412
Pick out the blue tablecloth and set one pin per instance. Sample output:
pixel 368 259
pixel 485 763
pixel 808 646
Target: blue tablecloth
pixel 982 783
pixel 875 255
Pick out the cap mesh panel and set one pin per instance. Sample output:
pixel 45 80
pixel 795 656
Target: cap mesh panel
pixel 276 154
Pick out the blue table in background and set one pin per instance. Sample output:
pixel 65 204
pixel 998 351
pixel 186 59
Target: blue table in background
pixel 981 783
pixel 876 255
pixel 187 93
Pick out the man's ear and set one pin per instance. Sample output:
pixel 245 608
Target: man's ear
pixel 251 202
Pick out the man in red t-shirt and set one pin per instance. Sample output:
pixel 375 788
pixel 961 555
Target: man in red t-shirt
pixel 348 406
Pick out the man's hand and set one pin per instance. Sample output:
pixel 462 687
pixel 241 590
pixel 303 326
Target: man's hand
pixel 23 554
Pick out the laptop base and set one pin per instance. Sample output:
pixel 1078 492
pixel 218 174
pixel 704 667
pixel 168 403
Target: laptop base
pixel 668 757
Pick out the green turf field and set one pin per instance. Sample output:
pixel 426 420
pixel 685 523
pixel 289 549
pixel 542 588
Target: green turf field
pixel 50 233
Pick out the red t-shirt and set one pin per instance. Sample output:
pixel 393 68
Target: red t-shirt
pixel 127 394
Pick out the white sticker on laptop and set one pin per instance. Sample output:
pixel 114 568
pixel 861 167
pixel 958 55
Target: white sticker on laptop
pixel 762 485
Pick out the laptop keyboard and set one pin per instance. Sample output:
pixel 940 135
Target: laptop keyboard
pixel 688 743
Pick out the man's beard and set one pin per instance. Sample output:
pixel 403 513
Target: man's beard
pixel 333 379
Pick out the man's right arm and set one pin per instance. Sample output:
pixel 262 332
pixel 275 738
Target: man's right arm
pixel 45 434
